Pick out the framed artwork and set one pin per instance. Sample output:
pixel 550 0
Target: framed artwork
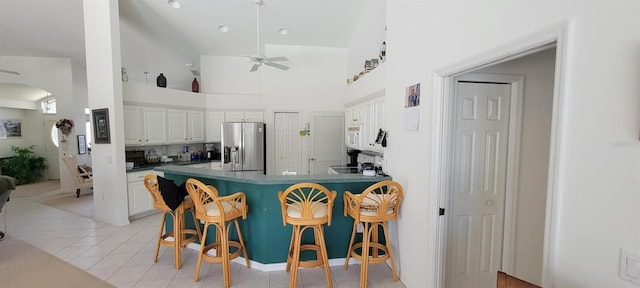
pixel 412 96
pixel 10 128
pixel 101 130
pixel 82 144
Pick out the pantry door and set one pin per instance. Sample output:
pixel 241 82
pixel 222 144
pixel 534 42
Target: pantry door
pixel 287 140
pixel 327 142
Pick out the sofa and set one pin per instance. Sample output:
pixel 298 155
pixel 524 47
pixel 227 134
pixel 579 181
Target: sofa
pixel 7 184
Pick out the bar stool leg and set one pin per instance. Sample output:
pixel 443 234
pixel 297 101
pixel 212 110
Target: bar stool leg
pixel 202 245
pixel 197 224
pixel 290 251
pixel 177 237
pixel 325 255
pixel 353 235
pixel 296 256
pixel 364 266
pixel 225 255
pixel 155 258
pixel 388 244
pixel 244 248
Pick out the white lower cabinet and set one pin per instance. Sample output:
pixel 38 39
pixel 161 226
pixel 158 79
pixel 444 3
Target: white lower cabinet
pixel 140 200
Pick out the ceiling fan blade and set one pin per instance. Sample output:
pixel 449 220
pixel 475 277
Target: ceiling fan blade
pixel 254 68
pixel 10 72
pixel 280 66
pixel 281 58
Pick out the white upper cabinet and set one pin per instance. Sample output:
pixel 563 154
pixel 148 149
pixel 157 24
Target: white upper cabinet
pixel 196 126
pixel 144 125
pixel 378 121
pixel 367 118
pixel 214 119
pixel 133 125
pixel 185 126
pixel 154 123
pixel 239 116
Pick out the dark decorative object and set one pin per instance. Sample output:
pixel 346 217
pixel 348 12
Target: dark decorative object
pixel 161 81
pixel 26 166
pixel 82 144
pixel 383 51
pixel 195 86
pixel 101 126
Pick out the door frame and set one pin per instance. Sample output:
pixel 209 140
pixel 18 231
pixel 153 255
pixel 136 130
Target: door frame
pixel 443 85
pixel 513 157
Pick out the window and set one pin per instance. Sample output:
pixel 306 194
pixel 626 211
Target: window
pixel 54 135
pixel 48 105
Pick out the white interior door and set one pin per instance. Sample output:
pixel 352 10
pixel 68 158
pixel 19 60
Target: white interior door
pixel 327 143
pixel 287 140
pixel 51 150
pixel 480 159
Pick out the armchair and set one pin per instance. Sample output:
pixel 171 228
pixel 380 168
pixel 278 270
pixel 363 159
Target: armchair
pixel 82 176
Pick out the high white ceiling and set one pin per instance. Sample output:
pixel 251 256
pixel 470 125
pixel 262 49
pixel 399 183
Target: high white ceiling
pixel 54 28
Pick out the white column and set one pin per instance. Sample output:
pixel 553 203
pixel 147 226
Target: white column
pixel 102 44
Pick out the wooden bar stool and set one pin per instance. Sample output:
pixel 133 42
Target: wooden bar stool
pixel 180 238
pixel 307 206
pixel 375 206
pixel 220 212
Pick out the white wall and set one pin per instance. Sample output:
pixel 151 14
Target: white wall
pixel 55 76
pixel 32 132
pixel 314 82
pixel 598 200
pixel 104 88
pixel 368 36
pixel 538 70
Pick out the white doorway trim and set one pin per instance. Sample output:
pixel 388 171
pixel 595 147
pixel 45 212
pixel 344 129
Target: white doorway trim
pixel 443 86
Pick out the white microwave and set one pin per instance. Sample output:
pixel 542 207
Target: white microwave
pixel 354 136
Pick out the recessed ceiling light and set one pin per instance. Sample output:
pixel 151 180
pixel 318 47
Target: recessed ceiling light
pixel 283 31
pixel 223 28
pixel 174 4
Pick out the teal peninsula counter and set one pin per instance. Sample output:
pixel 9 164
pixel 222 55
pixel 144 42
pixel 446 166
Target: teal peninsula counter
pixel 267 240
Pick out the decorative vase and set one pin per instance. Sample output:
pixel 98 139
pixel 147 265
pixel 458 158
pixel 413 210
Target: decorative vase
pixel 195 86
pixel 161 81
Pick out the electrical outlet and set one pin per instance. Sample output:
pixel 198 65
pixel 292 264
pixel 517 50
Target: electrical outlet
pixel 359 228
pixel 630 266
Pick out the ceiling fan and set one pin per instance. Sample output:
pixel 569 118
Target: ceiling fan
pixel 10 72
pixel 260 58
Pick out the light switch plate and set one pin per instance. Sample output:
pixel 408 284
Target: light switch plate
pixel 629 266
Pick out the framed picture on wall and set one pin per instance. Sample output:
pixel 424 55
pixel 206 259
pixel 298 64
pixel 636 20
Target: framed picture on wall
pixel 101 126
pixel 82 144
pixel 10 128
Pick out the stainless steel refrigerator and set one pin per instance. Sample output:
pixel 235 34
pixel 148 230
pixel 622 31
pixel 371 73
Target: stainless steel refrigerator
pixel 243 146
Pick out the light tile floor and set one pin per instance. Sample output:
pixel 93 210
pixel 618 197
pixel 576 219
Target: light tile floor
pixel 123 256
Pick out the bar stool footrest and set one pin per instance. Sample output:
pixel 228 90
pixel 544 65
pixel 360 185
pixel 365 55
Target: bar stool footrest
pixel 309 263
pixel 379 259
pixel 217 247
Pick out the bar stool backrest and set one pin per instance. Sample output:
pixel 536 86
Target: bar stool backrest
pixel 306 204
pixel 151 183
pixel 204 196
pixel 380 201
